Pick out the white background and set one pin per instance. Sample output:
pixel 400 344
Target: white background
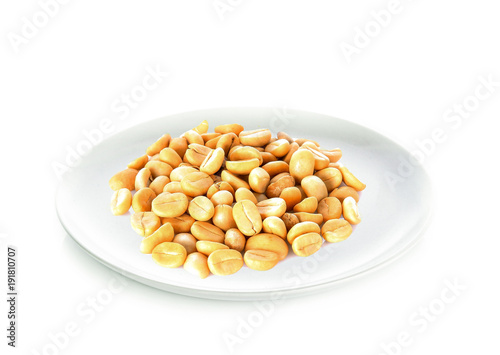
pixel 429 57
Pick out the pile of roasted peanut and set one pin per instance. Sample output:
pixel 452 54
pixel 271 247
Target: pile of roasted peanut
pixel 215 201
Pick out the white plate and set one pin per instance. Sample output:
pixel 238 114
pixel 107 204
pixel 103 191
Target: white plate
pixel 393 217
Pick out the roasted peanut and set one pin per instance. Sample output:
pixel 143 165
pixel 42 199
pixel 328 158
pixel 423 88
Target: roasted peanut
pixel 283 135
pixel 255 138
pixel 247 217
pixel 267 157
pixel 274 168
pixel 223 217
pixel 266 241
pixel 278 148
pixel 350 210
pixel 169 254
pixel 222 197
pixel 314 186
pixel 158 184
pixel 272 207
pixel 258 179
pixel 332 178
pixel 227 141
pixel 229 128
pixel 242 167
pixel 275 188
pixel 344 191
pixel 213 161
pixel 321 161
pixel 125 179
pixel 141 202
pixel 300 229
pixel 197 264
pixel 187 240
pixel 158 168
pixel 202 127
pixel 145 223
pixel 172 187
pixel 292 197
pixel 171 157
pixel 121 201
pixel 180 145
pixel 206 247
pixel 351 180
pixel 163 234
pixel 234 239
pixel 201 208
pixel 244 153
pixel 196 154
pixel 181 224
pixel 330 208
pixel 313 217
pixel 307 244
pixel 138 163
pixel 209 136
pixel 244 194
pixel 225 262
pixel 293 148
pixel 309 204
pixel 274 225
pixel 301 164
pixel 219 186
pixel 181 171
pixel 290 220
pixel 207 231
pixel 336 230
pixel 169 204
pixel 334 154
pixel 143 179
pixel 260 260
pixel 157 146
pixel 196 184
pixel 193 137
pixel 234 180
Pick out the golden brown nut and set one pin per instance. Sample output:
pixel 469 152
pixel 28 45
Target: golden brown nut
pixel 234 239
pixel 169 254
pixel 163 234
pixel 225 262
pixel 207 231
pixel 260 260
pixel 196 184
pixel 307 244
pixel 344 191
pixel 350 210
pixel 336 230
pixel 223 217
pixel 141 202
pixel 157 146
pixel 197 264
pixel 138 163
pixel 330 208
pixel 187 240
pixel 145 223
pixel 169 204
pixel 121 201
pixel 247 217
pixel 266 241
pixel 301 164
pixel 125 179
pixel 201 208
